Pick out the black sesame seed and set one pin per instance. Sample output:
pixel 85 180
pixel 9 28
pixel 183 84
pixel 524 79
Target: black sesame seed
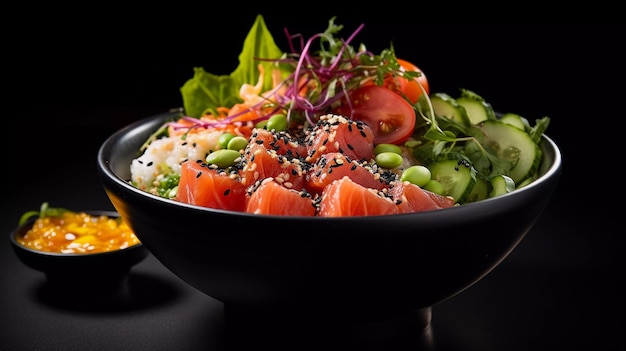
pixel 335 165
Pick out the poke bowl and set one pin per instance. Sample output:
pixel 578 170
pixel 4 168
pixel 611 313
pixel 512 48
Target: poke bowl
pixel 292 265
pixel 354 268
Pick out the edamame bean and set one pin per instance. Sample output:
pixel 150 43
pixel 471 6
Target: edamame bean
pixel 418 175
pixel 380 148
pixel 223 139
pixel 388 159
pixel 261 125
pixel 277 122
pixel 237 143
pixel 434 186
pixel 223 158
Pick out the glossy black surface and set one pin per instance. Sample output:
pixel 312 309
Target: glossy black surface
pixel 324 268
pixel 561 288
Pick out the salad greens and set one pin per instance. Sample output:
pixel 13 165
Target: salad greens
pixel 312 80
pixel 307 82
pixel 206 91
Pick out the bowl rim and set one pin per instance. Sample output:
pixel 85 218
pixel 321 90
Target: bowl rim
pixel 547 172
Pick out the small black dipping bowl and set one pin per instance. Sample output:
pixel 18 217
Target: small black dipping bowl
pixel 100 272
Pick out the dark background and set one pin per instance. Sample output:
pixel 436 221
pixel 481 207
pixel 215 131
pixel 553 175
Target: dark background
pixel 571 71
pixel 560 288
pixel 568 70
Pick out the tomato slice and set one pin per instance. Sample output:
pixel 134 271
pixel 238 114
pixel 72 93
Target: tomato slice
pixel 389 115
pixel 410 88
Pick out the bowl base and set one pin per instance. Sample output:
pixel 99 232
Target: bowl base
pixel 246 328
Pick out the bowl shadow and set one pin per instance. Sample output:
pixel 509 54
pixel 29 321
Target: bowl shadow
pixel 136 291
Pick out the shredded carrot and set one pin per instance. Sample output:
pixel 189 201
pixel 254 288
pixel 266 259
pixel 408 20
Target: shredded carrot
pixel 243 112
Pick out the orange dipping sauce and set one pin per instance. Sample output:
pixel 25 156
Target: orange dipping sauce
pixel 78 233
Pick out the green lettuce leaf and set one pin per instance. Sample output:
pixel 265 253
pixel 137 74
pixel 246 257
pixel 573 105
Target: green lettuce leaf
pixel 205 91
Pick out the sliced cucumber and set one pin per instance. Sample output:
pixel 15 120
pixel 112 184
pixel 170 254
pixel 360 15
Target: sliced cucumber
pixel 446 106
pixel 525 182
pixel 500 185
pixel 512 144
pixel 516 121
pixel 480 191
pixel 476 108
pixel 456 175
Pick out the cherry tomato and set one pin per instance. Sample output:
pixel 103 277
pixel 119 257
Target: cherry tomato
pixel 389 115
pixel 408 87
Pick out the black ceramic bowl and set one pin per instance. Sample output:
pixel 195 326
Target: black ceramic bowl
pixel 94 272
pixel 342 270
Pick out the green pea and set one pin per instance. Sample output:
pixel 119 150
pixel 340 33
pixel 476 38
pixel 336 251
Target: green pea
pixel 223 158
pixel 388 159
pixel 261 125
pixel 223 139
pixel 434 186
pixel 380 148
pixel 418 175
pixel 237 143
pixel 277 122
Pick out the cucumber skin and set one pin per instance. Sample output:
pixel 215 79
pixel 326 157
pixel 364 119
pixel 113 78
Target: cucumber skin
pixel 480 191
pixel 500 185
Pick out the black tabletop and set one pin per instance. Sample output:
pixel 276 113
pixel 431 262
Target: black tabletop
pixel 560 288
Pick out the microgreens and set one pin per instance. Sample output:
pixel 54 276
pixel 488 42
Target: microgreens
pixel 44 211
pixel 316 77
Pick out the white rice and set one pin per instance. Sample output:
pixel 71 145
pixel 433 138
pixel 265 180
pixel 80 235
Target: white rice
pixel 166 154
